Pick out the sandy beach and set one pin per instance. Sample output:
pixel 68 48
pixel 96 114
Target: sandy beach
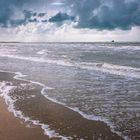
pixel 61 119
pixel 12 129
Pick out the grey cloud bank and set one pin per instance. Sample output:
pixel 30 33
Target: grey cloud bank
pixel 60 17
pixel 9 9
pixel 92 14
pixel 106 14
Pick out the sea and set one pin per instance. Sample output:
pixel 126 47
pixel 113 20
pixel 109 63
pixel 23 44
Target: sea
pixel 100 81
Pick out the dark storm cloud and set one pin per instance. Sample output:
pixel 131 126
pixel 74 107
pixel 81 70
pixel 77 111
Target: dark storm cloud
pixel 33 20
pixel 60 17
pixel 98 14
pixel 106 14
pixel 41 14
pixel 44 20
pixel 28 16
pixel 8 9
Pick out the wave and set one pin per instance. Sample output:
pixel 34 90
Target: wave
pixel 130 48
pixel 42 52
pixel 126 71
pixel 36 59
pixel 6 89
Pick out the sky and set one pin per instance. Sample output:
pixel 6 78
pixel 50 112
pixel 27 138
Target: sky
pixel 69 20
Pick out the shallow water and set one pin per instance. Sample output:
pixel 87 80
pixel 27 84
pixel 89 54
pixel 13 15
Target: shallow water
pixel 100 79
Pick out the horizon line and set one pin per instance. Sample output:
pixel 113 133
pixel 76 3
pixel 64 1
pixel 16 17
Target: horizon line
pixel 70 42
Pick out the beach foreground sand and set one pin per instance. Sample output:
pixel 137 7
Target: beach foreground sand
pixel 12 129
pixel 61 119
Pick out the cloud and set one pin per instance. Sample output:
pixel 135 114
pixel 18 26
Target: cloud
pixel 17 12
pixel 33 20
pixel 106 14
pixel 57 3
pixel 60 17
pixel 90 14
pixel 45 20
pixel 49 32
pixel 41 14
pixel 8 8
pixel 27 16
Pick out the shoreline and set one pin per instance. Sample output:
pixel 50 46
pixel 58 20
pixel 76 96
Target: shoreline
pixel 11 128
pixel 64 116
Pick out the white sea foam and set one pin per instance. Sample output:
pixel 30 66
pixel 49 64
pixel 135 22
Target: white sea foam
pixel 36 59
pixel 126 71
pixel 116 70
pixel 42 52
pixel 5 90
pixel 129 47
pixel 89 117
pixel 84 115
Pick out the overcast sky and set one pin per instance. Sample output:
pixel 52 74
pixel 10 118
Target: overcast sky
pixel 69 20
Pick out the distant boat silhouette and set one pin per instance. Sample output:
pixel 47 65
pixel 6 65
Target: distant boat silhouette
pixel 112 41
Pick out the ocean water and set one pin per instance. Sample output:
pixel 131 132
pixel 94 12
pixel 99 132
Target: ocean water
pixel 101 81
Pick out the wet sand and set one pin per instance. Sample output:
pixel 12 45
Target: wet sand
pixel 63 120
pixel 12 129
